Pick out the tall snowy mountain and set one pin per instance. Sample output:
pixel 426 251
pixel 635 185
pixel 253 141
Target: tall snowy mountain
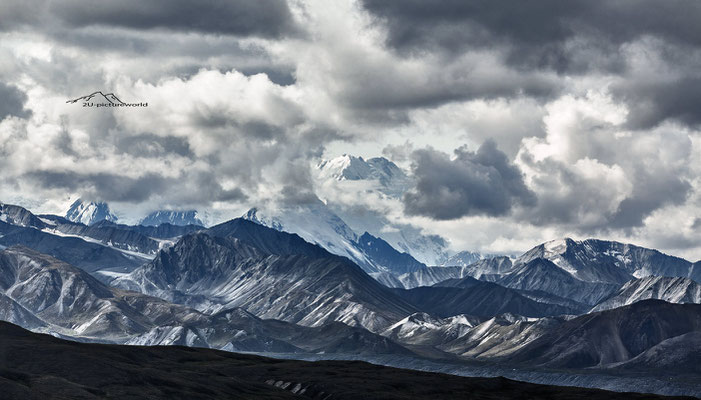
pixel 317 224
pixel 88 213
pixel 180 218
pixel 392 180
pixel 380 177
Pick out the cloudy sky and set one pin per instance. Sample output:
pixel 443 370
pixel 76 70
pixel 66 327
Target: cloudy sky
pixel 520 121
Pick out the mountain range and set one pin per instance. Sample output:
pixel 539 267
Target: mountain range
pixel 567 306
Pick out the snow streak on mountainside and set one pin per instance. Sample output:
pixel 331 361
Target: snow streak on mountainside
pixel 180 218
pixel 584 271
pixel 319 225
pixel 672 290
pixel 315 223
pixel 270 273
pixel 41 293
pixel 88 213
pixel 594 260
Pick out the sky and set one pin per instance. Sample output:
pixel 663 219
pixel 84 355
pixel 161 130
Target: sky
pixel 519 121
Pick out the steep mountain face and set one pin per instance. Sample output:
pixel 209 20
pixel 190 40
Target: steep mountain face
pixel 482 299
pixel 487 269
pixel 13 312
pixel 671 290
pixel 317 224
pixel 19 216
pixel 584 271
pixel 271 274
pixel 542 275
pixel 603 339
pixel 179 218
pixel 42 293
pixel 677 355
pixel 595 260
pixel 72 302
pixel 385 179
pixel 381 253
pixel 423 277
pixel 543 299
pixel 425 329
pixel 88 213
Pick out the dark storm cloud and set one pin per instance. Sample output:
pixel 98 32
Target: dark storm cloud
pixel 266 18
pixel 675 99
pixel 652 191
pixel 114 187
pixel 106 186
pixel 150 145
pixel 12 102
pixel 17 13
pixel 575 38
pixel 474 183
pixel 534 30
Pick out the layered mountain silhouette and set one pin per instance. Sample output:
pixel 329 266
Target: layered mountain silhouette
pixel 554 314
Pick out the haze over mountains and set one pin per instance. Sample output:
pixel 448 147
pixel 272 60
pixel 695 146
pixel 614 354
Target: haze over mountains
pixel 243 286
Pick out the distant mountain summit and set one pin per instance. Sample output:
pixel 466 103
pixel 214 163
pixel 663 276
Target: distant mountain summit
pixel 392 179
pixel 180 218
pixel 89 213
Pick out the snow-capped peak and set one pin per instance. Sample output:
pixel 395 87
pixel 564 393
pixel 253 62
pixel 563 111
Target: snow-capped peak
pixel 391 178
pixel 89 213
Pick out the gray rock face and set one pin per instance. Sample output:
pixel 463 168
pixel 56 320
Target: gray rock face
pixel 607 338
pixel 272 274
pixel 44 294
pixel 482 299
